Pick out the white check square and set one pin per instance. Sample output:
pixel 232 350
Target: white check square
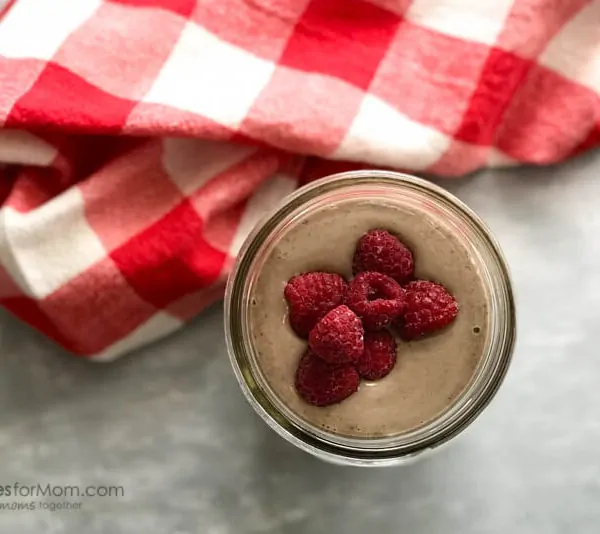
pixel 382 135
pixel 574 50
pixel 473 20
pixel 209 77
pixel 193 162
pixel 50 245
pixel 38 28
pixel 22 147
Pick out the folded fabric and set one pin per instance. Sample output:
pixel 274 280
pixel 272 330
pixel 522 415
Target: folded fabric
pixel 142 139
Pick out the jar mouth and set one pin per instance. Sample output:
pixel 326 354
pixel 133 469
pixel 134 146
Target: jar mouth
pixel 485 381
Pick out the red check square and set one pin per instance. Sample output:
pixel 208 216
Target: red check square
pixel 345 39
pixel 501 76
pixel 545 112
pixel 170 258
pixel 61 98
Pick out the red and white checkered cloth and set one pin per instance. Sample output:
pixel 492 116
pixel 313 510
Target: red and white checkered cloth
pixel 109 241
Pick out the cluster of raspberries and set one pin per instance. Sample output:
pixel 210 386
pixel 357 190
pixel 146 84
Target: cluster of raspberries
pixel 348 324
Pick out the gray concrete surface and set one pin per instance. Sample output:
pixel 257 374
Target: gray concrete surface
pixel 169 425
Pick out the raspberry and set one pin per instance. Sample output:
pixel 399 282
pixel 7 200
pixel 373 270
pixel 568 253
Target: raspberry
pixel 429 307
pixel 310 296
pixel 379 356
pixel 376 298
pixel 321 383
pixel 380 251
pixel 338 337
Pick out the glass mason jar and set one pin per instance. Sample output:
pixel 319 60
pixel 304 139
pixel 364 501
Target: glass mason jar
pixel 487 377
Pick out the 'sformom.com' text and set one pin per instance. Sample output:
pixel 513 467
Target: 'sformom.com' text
pixel 51 490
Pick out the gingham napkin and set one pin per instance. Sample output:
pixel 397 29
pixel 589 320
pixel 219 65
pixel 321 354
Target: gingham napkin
pixel 108 241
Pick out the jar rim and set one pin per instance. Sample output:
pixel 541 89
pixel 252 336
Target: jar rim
pixel 367 451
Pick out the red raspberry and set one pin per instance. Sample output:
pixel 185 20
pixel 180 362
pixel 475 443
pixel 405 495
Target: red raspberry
pixel 310 296
pixel 380 251
pixel 321 383
pixel 376 298
pixel 338 337
pixel 379 356
pixel 429 307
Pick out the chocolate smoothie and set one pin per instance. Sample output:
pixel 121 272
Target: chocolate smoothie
pixel 429 374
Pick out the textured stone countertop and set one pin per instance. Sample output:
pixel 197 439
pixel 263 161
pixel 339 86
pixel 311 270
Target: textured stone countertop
pixel 169 425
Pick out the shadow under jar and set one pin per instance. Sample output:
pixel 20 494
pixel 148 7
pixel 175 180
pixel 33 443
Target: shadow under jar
pixel 439 385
